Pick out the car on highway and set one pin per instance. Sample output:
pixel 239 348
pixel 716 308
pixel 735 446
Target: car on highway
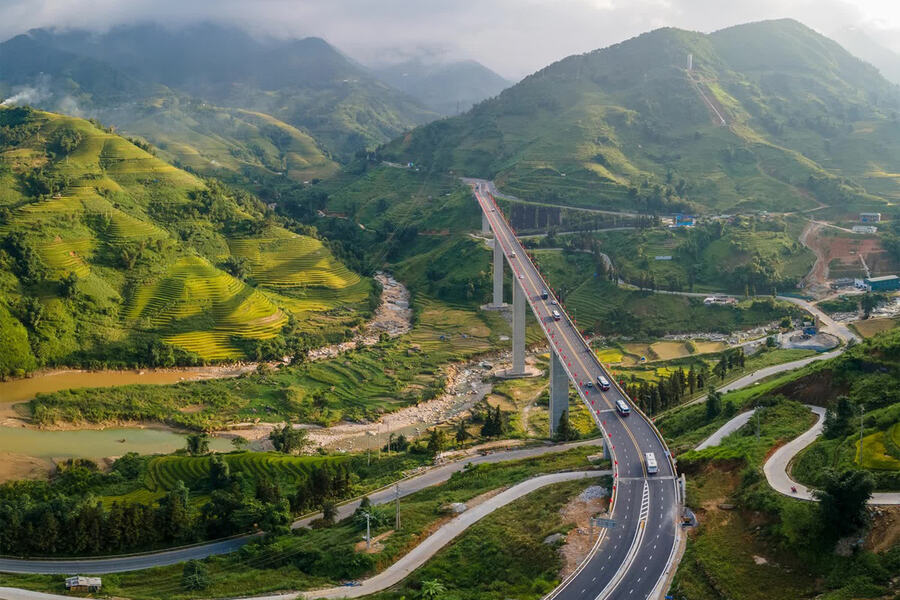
pixel 544 294
pixel 553 302
pixel 622 408
pixel 589 384
pixel 556 315
pixel 512 254
pixel 603 381
pixel 652 467
pixel 521 276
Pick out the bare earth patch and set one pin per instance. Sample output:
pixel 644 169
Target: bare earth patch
pixel 579 540
pixel 18 466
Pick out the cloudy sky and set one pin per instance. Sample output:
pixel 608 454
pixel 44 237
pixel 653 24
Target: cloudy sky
pixel 513 37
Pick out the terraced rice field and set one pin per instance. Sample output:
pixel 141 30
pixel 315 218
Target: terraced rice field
pixel 875 453
pixel 203 307
pixel 286 260
pixel 65 256
pixel 164 472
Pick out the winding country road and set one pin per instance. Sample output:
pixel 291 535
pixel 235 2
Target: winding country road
pixel 410 561
pixel 118 564
pixel 776 467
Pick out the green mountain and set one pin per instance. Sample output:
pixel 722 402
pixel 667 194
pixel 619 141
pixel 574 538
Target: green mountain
pixel 209 139
pixel 109 255
pixel 446 88
pixel 629 126
pixel 305 83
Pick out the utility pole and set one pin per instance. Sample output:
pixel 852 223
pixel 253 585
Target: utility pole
pixel 757 422
pixel 397 495
pixel 368 531
pixel 862 414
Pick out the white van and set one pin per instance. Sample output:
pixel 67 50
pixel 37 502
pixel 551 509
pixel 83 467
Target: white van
pixel 652 467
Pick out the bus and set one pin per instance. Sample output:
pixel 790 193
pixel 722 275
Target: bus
pixel 622 408
pixel 603 381
pixel 652 467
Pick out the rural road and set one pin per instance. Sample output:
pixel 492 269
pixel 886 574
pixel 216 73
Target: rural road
pixel 410 561
pixel 725 430
pixel 777 465
pixel 118 564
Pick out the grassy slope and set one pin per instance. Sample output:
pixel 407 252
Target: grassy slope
pixel 584 129
pixel 115 198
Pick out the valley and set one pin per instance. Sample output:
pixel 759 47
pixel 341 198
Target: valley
pixel 279 318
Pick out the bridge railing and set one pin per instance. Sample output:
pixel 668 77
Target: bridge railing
pixel 670 459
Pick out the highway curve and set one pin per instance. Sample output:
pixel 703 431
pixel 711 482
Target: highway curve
pixel 632 559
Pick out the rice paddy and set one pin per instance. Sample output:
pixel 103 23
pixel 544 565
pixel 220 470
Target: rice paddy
pixel 164 472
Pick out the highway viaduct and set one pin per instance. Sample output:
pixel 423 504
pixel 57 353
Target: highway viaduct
pixel 635 557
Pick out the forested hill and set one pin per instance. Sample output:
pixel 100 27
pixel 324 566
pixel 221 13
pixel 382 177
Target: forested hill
pixel 771 116
pixel 110 256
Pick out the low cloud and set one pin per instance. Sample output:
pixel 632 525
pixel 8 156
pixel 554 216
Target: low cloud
pixel 515 37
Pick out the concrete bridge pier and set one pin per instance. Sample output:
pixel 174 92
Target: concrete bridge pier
pixel 518 329
pixel 559 391
pixel 485 224
pixel 498 274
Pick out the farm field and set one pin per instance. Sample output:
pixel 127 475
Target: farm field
pixel 870 327
pixel 359 384
pixel 165 267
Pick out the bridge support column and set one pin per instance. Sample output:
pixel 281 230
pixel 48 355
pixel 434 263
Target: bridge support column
pixel 559 391
pixel 518 329
pixel 498 273
pixel 485 224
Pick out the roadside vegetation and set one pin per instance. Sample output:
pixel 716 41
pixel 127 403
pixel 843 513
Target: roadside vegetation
pixel 750 534
pixel 330 553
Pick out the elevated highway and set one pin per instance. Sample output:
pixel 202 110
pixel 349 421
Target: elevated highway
pixel 633 558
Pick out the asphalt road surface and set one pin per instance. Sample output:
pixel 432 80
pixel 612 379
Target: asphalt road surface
pixel 634 556
pixel 777 465
pixel 408 486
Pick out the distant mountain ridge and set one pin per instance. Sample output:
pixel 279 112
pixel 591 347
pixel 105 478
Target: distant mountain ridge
pixel 178 76
pixel 447 88
pixel 629 126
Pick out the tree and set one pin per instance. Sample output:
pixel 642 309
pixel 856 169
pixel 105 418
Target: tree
pixel 197 444
pixel 68 286
pixel 239 442
pixel 194 576
pixel 564 431
pixel 842 500
pixel 175 514
pixel 329 511
pixel 437 441
pixel 461 433
pixel 713 404
pixel 236 266
pixel 219 473
pixel 289 440
pixel 868 302
pixel 838 418
pixel 433 589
